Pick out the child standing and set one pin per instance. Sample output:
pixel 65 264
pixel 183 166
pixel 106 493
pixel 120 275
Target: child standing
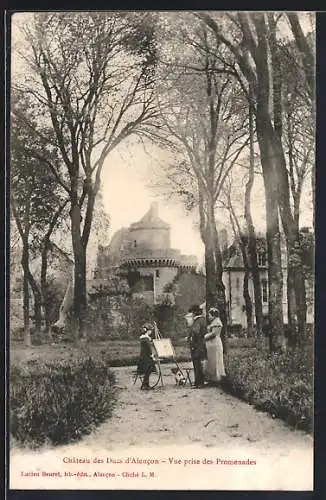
pixel 146 364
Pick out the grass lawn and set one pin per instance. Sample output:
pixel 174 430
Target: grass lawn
pixel 118 352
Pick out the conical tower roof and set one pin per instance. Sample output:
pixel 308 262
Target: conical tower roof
pixel 151 220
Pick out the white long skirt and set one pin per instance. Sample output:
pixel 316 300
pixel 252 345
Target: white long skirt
pixel 214 369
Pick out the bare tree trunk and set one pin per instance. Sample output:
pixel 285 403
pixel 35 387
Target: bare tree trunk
pixel 248 302
pixel 211 289
pixel 37 302
pixel 80 299
pixel 220 300
pixel 24 230
pixel 246 294
pixel 306 52
pixel 44 266
pixel 275 276
pixel 252 244
pixel 261 47
pixel 214 284
pixel 292 303
pixel 266 136
pixel 277 191
pixel 290 222
pixel 297 321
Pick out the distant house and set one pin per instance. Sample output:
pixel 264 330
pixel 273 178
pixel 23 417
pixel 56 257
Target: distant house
pixel 233 277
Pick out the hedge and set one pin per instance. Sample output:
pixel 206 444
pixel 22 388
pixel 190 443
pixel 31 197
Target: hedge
pixel 280 384
pixel 58 402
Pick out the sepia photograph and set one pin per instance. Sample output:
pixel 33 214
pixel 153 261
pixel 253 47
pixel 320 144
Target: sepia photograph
pixel 162 250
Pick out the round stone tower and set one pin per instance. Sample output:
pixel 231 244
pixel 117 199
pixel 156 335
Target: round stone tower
pixel 151 232
pixel 143 255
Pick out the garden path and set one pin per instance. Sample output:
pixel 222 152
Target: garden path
pixel 176 421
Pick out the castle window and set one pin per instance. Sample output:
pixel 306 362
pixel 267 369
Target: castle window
pixel 157 273
pixel 135 243
pixel 237 284
pixel 264 290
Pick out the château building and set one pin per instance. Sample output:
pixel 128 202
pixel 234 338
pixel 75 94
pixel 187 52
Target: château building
pixel 142 255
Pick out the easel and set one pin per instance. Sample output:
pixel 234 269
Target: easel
pixel 164 350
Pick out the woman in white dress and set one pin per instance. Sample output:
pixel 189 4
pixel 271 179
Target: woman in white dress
pixel 215 363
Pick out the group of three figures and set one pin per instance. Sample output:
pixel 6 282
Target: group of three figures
pixel 205 344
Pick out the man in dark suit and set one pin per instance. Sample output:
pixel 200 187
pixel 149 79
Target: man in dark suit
pixel 197 344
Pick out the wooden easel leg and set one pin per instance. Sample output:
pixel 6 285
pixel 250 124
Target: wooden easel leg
pixel 160 370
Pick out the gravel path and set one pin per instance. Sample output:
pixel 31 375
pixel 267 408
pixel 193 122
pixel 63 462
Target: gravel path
pixel 187 425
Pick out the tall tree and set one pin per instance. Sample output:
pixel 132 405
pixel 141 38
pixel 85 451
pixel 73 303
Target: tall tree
pixel 298 139
pixel 93 87
pixel 252 242
pixel 204 120
pixel 37 205
pixel 256 56
pixel 34 191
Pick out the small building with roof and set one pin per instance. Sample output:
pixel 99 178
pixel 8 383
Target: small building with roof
pixel 233 279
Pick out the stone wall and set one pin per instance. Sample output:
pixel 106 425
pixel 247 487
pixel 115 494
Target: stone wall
pixel 150 239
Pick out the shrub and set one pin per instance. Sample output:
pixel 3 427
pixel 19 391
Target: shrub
pixel 123 317
pixel 117 317
pixel 170 320
pixel 281 384
pixel 60 401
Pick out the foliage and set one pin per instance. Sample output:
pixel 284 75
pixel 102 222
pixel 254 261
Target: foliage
pixel 170 321
pixel 280 384
pixel 111 317
pixel 31 180
pixel 59 401
pixel 188 289
pixel 89 86
pixel 37 201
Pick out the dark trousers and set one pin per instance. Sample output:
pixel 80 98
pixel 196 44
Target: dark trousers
pixel 145 382
pixel 198 372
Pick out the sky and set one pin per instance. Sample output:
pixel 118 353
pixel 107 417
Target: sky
pixel 127 197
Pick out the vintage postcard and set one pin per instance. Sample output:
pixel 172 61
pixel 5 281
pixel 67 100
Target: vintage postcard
pixel 162 193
